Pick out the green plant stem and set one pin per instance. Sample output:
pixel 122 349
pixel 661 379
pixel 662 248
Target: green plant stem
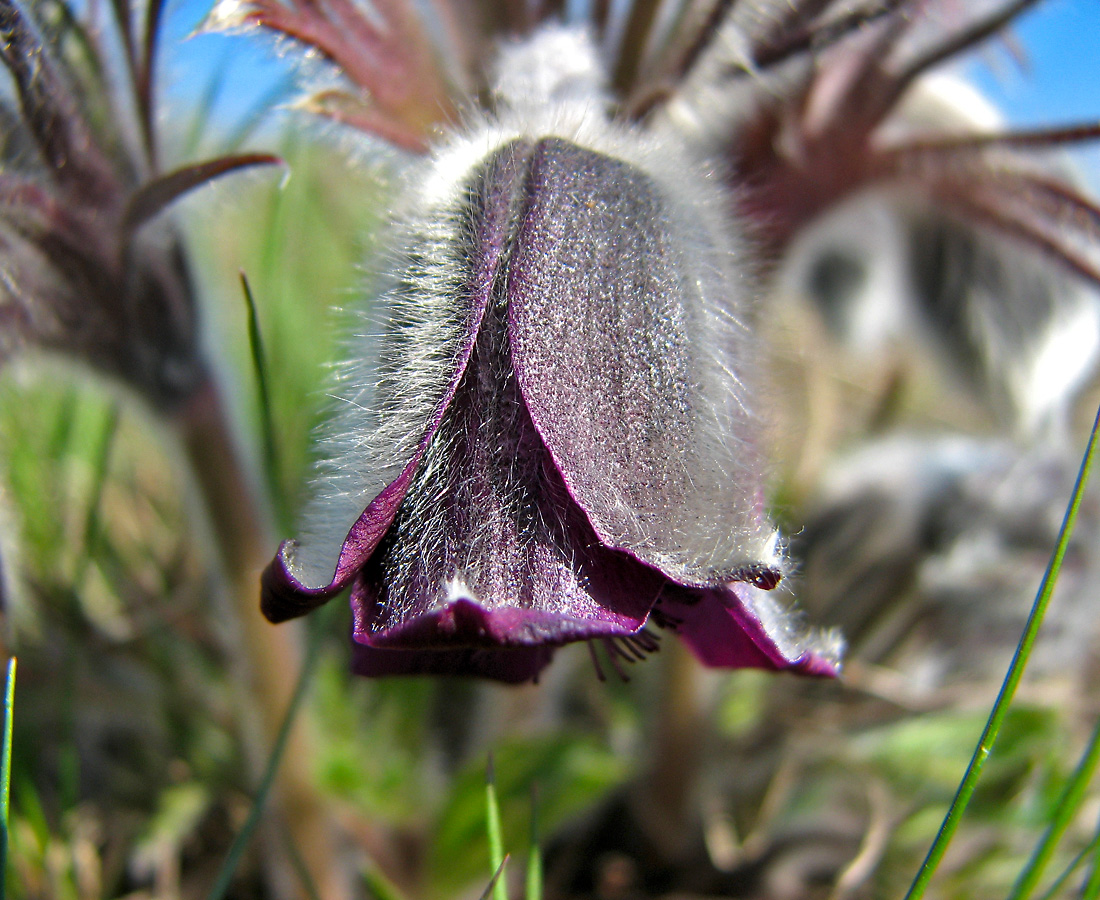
pixel 259 803
pixel 268 656
pixel 5 775
pixel 378 885
pixel 1008 686
pixel 534 858
pixel 1091 888
pixel 496 835
pixel 259 366
pixel 1068 805
pixel 1061 880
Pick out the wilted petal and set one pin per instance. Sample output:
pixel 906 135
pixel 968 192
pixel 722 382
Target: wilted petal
pixel 625 303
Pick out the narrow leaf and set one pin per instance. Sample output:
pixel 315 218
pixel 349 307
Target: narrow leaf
pixel 534 858
pixel 1011 680
pixel 5 775
pixel 1056 888
pixel 960 41
pixel 259 365
pixel 144 77
pixel 1024 139
pixel 1091 889
pixel 49 107
pixel 496 837
pixel 378 885
pixel 153 197
pixel 1068 805
pixel 244 836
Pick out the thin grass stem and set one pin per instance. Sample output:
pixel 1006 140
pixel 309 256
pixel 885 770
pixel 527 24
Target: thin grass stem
pixel 496 835
pixel 240 842
pixel 378 885
pixel 1090 890
pixel 491 887
pixel 1008 686
pixel 1060 882
pixel 1068 805
pixel 534 858
pixel 300 868
pixel 267 419
pixel 5 775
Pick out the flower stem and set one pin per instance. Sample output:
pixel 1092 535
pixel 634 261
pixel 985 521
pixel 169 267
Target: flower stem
pixel 269 657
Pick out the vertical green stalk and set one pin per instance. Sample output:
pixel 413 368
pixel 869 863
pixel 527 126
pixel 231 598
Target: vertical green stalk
pixel 1008 686
pixel 1056 888
pixel 269 655
pixel 1091 888
pixel 267 421
pixel 534 858
pixel 1068 805
pixel 5 776
pixel 259 803
pixel 496 836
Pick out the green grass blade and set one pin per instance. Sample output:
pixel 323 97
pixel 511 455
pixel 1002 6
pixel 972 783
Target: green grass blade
pixel 267 419
pixel 240 842
pixel 534 859
pixel 496 836
pixel 379 886
pixel 5 775
pixel 1068 805
pixel 1060 882
pixel 1008 686
pixel 1091 888
pixel 300 869
pixel 101 469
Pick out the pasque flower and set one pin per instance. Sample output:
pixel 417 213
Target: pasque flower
pixel 559 442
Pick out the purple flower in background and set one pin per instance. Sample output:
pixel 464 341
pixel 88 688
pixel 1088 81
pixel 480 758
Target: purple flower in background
pixel 89 268
pixel 557 442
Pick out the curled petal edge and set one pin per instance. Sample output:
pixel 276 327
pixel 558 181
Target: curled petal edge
pixel 741 626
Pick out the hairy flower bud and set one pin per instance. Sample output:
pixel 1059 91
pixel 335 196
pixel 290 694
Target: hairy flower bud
pixel 559 443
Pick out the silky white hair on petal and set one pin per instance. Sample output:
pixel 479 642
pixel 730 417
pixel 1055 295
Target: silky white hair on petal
pixel 388 392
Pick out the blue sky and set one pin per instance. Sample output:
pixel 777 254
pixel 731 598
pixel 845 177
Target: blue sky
pixel 1062 79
